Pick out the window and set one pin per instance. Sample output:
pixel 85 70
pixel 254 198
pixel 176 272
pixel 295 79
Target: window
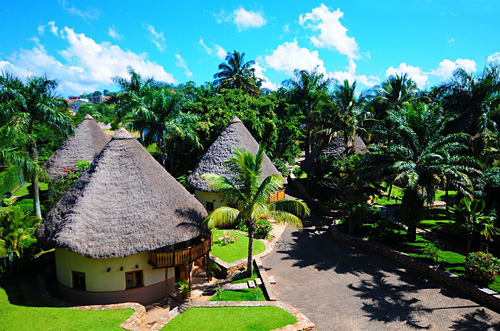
pixel 134 279
pixel 210 206
pixel 79 280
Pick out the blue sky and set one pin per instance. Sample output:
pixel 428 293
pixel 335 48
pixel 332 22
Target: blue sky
pixel 83 44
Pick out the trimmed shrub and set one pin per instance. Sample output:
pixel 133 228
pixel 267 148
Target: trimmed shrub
pixel 263 228
pixel 481 268
pixel 9 180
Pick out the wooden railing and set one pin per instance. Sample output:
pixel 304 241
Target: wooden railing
pixel 280 195
pixel 180 256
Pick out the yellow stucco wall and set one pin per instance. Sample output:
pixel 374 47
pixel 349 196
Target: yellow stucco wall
pixel 205 197
pixel 96 276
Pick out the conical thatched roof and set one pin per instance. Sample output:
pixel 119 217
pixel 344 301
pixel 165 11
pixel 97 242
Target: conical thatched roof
pixel 88 141
pixel 334 149
pixel 235 135
pixel 124 204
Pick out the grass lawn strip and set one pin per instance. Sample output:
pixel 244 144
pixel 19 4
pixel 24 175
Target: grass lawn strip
pixel 20 309
pixel 235 251
pixel 247 294
pixel 232 318
pixel 23 190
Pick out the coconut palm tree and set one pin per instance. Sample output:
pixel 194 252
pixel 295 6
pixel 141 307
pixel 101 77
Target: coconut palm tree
pixel 236 73
pixel 162 116
pixel 420 161
pixel 249 197
pixel 468 214
pixel 308 89
pixel 37 104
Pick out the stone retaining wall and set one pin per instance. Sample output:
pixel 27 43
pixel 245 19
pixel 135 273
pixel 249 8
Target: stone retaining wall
pixel 485 296
pixel 134 322
pixel 266 284
pixel 303 323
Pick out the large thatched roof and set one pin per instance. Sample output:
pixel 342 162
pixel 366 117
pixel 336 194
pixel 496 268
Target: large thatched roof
pixel 125 203
pixel 88 141
pixel 334 149
pixel 235 135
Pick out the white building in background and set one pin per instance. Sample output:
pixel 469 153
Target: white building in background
pixel 75 104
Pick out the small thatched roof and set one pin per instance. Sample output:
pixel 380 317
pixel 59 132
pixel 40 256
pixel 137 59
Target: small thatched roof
pixel 334 149
pixel 124 204
pixel 88 141
pixel 235 135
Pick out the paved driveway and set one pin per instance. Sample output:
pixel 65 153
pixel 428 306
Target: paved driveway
pixel 345 288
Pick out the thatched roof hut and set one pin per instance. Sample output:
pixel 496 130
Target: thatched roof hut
pixel 124 204
pixel 235 135
pixel 84 145
pixel 334 149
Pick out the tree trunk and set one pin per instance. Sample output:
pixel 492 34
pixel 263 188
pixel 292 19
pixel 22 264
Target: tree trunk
pixel 447 198
pixel 346 142
pixel 390 190
pixel 389 138
pixel 142 137
pixel 468 239
pixel 250 251
pixel 412 232
pixel 34 183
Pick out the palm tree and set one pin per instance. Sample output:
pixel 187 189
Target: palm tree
pixel 165 121
pixel 468 214
pixel 249 197
pixel 37 104
pixel 420 160
pixel 236 73
pixel 131 97
pixel 308 89
pixel 346 114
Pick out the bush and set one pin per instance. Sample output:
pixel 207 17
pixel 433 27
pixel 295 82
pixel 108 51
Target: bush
pixel 242 226
pixel 297 171
pixel 263 228
pixel 9 180
pixel 481 268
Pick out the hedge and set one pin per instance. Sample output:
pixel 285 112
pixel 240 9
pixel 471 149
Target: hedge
pixel 9 180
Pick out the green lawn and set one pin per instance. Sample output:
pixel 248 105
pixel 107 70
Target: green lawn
pixel 384 201
pixel 20 309
pixel 24 189
pixel 235 251
pixel 441 195
pixel 231 318
pixel 247 294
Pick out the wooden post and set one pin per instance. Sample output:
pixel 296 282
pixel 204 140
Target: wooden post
pixel 209 266
pixel 166 281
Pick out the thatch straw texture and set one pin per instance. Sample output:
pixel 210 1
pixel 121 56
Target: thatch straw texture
pixel 235 135
pixel 88 141
pixel 334 149
pixel 124 204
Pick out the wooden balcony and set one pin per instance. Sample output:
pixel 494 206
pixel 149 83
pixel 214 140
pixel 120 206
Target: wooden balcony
pixel 280 195
pixel 180 256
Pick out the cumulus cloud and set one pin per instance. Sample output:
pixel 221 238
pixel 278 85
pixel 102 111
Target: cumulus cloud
pixel 259 73
pixel 415 73
pixel 157 37
pixel 90 13
pixel 86 66
pixel 216 50
pixel 248 19
pixel 114 34
pixel 350 75
pixel 332 34
pixel 290 56
pixel 495 57
pixel 446 67
pixel 181 63
pixel 53 28
pixel 41 30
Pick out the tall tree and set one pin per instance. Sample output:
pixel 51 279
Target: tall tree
pixel 236 73
pixel 37 104
pixel 308 90
pixel 249 197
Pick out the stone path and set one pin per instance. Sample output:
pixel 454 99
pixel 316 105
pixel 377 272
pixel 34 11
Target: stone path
pixel 346 288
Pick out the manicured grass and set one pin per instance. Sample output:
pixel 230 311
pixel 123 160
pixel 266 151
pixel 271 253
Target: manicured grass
pixel 20 309
pixel 231 318
pixel 235 251
pixel 384 201
pixel 24 189
pixel 247 294
pixel 441 195
pixel 240 278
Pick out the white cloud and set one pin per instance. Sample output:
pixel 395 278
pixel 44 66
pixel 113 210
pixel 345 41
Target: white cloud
pixel 495 57
pixel 41 30
pixel 415 73
pixel 451 40
pixel 286 28
pixel 87 65
pixel 181 63
pixel 157 37
pixel 332 34
pixel 53 28
pixel 290 56
pixel 216 50
pixel 114 34
pixel 90 14
pixel 247 19
pixel 259 73
pixel 447 67
pixel 350 75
